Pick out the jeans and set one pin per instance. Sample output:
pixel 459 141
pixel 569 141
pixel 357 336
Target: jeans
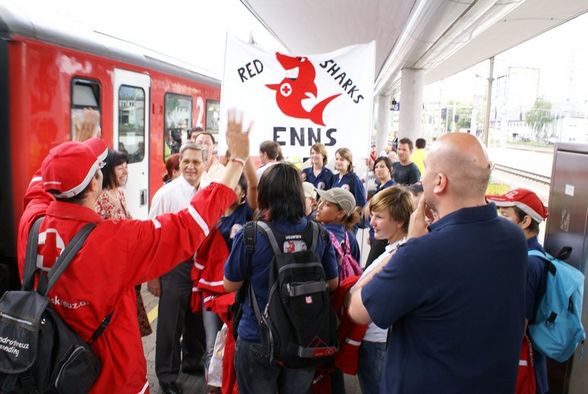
pixel 212 325
pixel 371 363
pixel 255 373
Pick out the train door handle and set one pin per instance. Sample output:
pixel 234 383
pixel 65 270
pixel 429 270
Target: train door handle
pixel 143 197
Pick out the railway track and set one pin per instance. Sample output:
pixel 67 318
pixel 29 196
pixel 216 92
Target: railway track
pixel 539 178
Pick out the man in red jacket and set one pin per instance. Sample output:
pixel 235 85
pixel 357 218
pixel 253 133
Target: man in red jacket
pixel 117 254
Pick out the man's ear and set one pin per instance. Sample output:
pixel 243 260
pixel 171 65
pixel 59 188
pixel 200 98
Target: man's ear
pixel 440 183
pixel 96 182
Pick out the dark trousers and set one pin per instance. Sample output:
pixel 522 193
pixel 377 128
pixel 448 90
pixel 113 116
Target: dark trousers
pixel 377 247
pixel 176 320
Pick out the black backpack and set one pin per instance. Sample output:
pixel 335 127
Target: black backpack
pixel 298 324
pixel 39 353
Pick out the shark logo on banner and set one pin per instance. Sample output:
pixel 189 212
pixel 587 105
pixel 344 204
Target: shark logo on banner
pixel 292 90
pixel 299 100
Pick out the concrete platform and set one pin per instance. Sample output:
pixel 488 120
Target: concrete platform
pixel 190 383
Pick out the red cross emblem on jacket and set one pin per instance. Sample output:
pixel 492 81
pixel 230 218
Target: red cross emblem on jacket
pixel 50 247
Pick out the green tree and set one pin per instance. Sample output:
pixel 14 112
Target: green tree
pixel 539 117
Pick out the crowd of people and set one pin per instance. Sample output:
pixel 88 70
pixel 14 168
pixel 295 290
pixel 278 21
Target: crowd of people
pixel 441 304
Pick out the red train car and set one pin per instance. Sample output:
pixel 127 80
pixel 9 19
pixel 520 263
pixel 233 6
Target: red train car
pixel 48 76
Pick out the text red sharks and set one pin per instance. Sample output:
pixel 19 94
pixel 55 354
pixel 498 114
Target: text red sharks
pixel 291 91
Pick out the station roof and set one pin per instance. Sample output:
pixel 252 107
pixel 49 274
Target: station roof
pixel 441 37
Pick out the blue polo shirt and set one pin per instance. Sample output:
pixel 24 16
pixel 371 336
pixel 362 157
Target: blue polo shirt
pixel 236 270
pixel 231 224
pixel 338 231
pixel 455 298
pixel 322 181
pixel 535 290
pixel 352 183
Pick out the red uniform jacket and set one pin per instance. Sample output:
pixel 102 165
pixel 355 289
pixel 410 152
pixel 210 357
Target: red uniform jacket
pixel 116 256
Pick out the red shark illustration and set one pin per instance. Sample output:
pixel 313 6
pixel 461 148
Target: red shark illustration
pixel 292 90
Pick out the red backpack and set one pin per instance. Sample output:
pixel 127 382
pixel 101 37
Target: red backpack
pixel 347 264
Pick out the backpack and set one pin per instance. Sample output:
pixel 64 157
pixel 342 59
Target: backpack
pixel 348 266
pixel 557 329
pixel 39 353
pixel 298 324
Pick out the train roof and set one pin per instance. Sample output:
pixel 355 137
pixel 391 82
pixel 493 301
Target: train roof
pixel 14 21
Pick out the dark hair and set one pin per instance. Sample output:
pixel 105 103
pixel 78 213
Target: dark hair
pixel 113 159
pixel 208 133
pixel 172 163
pixel 406 141
pixel 533 227
pixel 386 161
pixel 195 130
pixel 349 221
pixel 243 184
pixel 272 149
pixel 420 143
pixel 280 192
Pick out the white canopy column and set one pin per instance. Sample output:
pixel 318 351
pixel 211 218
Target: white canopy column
pixel 383 123
pixel 411 104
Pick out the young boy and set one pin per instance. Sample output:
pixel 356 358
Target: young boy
pixel 525 209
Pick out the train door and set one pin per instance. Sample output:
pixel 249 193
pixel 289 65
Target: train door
pixel 131 134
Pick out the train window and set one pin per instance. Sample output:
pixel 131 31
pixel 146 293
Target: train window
pixel 178 119
pixel 131 122
pixel 212 115
pixel 85 93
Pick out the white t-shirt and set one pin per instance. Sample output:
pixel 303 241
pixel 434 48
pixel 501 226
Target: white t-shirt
pixel 375 333
pixel 259 172
pixel 172 197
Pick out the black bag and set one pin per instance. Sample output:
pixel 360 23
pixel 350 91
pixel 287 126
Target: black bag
pixel 39 353
pixel 298 324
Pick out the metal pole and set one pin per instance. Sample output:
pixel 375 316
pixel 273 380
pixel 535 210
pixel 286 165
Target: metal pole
pixel 488 101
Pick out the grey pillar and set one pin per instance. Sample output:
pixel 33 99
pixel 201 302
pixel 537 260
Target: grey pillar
pixel 383 123
pixel 411 104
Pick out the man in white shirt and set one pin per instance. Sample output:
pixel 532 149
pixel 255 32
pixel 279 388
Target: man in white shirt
pixel 270 153
pixel 214 169
pixel 175 288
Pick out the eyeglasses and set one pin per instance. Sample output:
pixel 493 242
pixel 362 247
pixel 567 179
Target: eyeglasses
pixel 101 164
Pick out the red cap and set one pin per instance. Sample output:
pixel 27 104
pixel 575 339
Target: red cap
pixel 68 168
pixel 98 147
pixel 524 199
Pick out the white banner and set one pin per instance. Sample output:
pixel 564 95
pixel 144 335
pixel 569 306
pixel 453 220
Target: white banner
pixel 301 100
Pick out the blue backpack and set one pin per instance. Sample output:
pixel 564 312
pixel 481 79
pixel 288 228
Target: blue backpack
pixel 557 329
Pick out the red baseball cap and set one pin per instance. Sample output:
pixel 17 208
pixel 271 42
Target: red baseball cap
pixel 69 167
pixel 525 200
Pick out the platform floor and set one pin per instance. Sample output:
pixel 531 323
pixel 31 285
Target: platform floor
pixel 191 384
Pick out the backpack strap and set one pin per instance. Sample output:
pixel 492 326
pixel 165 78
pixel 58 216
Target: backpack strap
pixel 347 244
pixel 65 258
pixel 336 244
pixel 546 257
pixel 30 264
pixel 249 237
pixel 62 262
pixel 271 237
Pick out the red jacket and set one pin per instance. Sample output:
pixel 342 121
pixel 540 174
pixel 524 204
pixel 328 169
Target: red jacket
pixel 116 256
pixel 208 270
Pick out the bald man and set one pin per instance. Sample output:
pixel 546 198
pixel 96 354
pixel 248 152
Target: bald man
pixel 454 293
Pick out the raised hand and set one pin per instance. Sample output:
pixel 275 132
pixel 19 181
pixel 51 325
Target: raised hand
pixel 237 138
pixel 88 126
pixel 418 220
